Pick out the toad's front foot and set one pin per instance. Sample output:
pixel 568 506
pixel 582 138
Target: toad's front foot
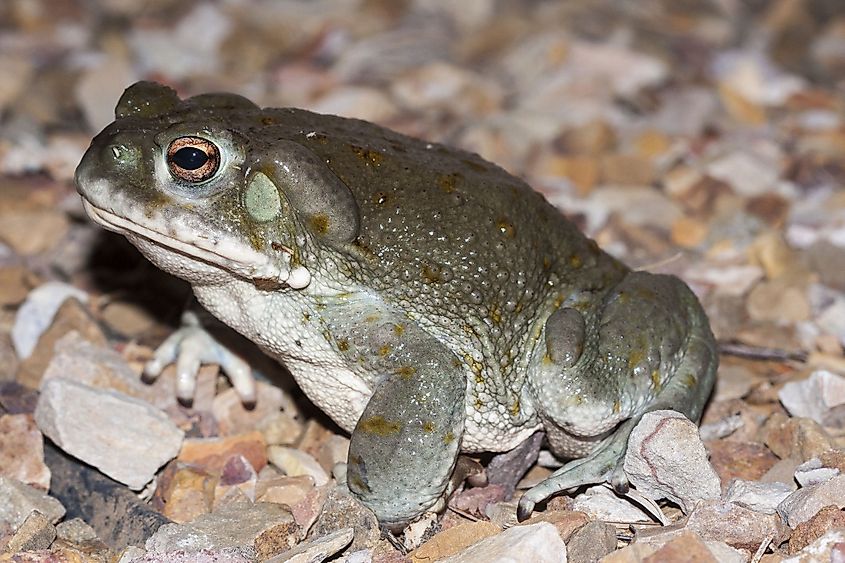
pixel 192 346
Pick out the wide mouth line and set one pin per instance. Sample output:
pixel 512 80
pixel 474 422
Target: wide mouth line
pixel 124 225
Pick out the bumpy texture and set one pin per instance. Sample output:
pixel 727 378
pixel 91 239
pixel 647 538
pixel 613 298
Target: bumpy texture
pixel 425 299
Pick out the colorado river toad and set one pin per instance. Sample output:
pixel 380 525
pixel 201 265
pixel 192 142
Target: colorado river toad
pixel 428 301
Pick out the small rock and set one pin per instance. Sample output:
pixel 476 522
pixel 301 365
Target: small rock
pixel 342 510
pixel 233 525
pixel 507 468
pixel 37 312
pixel 756 496
pixel 476 500
pixel 420 530
pixel 316 550
pixel 99 86
pixel 807 532
pixel 191 46
pixel 36 532
pixel 75 530
pixel 359 102
pixel 333 451
pixel 31 232
pixel 733 524
pixel 566 521
pixel 18 500
pixel 126 438
pixel 296 462
pixel 22 451
pixel 781 300
pixel 280 429
pixel 804 503
pixel 237 473
pixel 795 437
pixel 453 540
pixel 821 397
pixel 666 459
pixel 84 362
pixel 829 547
pixel 627 170
pixel 747 173
pixel 740 460
pixel 184 492
pixel 128 318
pixel 601 504
pixel 284 489
pixel 223 555
pixel 17 399
pixel 211 454
pixel 234 418
pixel 687 546
pixel 637 553
pixel 812 471
pixel 539 543
pixel 72 317
pixel 591 542
pixel 440 85
pixel 14 285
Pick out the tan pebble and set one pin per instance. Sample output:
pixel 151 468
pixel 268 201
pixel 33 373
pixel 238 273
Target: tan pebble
pixel 627 170
pixel 452 541
pixel 652 143
pixel 688 232
pixel 211 454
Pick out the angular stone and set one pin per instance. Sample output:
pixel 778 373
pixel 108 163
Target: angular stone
pixel 75 530
pixel 126 438
pixel 812 471
pixel 95 365
pixel 211 454
pixel 687 547
pixel 733 459
pixel 37 313
pixel 22 451
pixel 36 532
pixel 237 474
pixel 807 532
pixel 736 526
pixel 829 547
pixel 804 503
pixel 234 418
pixel 233 525
pixel 666 459
pixel 184 492
pixel 601 504
pixel 821 397
pixel 539 543
pixel 801 438
pixel 342 510
pixel 280 429
pixel 71 317
pixel 566 521
pixel 18 501
pixel 453 540
pixel 316 550
pixel 591 542
pixel 294 462
pixel 757 496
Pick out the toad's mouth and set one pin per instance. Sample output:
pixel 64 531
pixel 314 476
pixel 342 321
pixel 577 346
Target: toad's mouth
pixel 236 258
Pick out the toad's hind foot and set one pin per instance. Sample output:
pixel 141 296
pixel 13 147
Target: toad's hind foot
pixel 603 465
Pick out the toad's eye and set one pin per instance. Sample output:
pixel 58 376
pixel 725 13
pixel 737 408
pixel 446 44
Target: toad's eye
pixel 193 159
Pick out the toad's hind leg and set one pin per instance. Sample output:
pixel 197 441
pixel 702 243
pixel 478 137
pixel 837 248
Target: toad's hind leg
pixel 651 348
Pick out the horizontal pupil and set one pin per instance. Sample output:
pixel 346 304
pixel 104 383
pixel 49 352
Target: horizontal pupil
pixel 189 158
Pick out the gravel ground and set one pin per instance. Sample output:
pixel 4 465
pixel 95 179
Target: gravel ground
pixel 703 139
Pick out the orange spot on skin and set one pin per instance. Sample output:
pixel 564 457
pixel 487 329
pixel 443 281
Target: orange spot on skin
pixel 379 426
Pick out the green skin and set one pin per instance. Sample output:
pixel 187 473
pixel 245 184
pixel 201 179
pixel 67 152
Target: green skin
pixel 459 309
